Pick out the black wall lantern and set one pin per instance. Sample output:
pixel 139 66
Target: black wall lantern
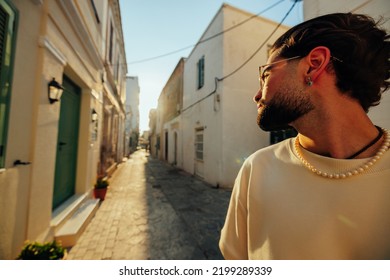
pixel 54 91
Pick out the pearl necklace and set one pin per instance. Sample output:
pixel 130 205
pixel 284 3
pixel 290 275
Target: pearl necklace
pixel 358 170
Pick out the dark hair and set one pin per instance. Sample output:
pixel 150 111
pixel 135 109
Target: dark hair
pixel 354 39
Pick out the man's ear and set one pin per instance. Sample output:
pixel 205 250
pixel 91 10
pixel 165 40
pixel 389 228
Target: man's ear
pixel 318 59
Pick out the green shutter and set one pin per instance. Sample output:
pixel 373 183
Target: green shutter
pixel 8 18
pixel 198 65
pixel 280 135
pixel 201 73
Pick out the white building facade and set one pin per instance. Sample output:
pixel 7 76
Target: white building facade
pixel 50 151
pixel 132 114
pixel 218 117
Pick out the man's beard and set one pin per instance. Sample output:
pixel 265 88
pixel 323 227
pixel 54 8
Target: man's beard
pixel 286 107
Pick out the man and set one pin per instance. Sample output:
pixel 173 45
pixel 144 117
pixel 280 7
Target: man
pixel 326 193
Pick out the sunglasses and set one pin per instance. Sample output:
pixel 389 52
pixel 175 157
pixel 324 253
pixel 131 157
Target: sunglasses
pixel 264 69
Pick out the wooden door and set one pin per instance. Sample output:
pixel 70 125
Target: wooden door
pixel 66 159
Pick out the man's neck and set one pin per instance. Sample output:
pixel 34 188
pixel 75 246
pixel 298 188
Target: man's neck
pixel 338 135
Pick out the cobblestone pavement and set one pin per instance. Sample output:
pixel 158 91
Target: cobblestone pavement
pixel 154 211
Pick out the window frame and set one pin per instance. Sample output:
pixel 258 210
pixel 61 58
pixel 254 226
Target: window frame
pixel 6 73
pixel 200 72
pixel 199 144
pixel 95 11
pixel 283 134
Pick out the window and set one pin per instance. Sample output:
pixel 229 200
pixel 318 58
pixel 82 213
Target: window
pixel 158 142
pixel 280 135
pixel 111 42
pixel 8 19
pixel 199 144
pixel 201 73
pixel 95 11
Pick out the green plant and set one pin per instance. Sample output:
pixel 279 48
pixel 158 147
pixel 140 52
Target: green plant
pixel 42 251
pixel 101 183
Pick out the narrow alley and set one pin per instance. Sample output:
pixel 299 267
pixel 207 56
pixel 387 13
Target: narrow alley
pixel 154 211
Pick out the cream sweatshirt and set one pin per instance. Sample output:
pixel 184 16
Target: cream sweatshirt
pixel 281 210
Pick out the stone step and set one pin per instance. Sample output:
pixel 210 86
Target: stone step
pixel 72 229
pixel 61 214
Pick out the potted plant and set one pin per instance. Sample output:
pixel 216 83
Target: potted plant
pixel 42 251
pixel 100 188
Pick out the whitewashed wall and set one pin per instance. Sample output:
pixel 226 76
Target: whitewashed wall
pixel 228 117
pixel 241 135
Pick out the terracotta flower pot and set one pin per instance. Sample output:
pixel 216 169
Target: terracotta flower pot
pixel 100 193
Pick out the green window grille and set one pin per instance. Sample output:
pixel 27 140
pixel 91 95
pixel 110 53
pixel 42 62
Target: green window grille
pixel 8 20
pixel 199 145
pixel 201 73
pixel 280 135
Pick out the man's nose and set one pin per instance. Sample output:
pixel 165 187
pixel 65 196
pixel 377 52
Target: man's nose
pixel 257 96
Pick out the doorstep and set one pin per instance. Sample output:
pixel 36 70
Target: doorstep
pixel 75 224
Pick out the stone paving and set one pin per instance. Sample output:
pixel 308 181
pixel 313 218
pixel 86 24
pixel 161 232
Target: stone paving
pixel 154 211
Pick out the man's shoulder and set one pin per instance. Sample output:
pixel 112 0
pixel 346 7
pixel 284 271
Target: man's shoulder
pixel 273 150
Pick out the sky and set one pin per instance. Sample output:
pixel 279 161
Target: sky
pixel 153 28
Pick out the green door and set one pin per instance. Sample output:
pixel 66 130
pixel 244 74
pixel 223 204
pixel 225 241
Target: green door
pixel 66 159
